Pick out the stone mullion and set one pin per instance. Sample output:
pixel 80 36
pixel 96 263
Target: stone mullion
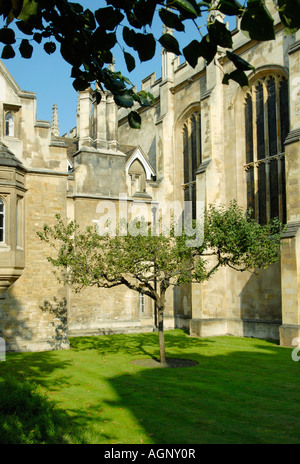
pixel 255 170
pixel 267 167
pixel 189 128
pixel 278 128
pixel 198 137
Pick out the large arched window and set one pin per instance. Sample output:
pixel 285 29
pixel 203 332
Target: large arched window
pixel 192 158
pixel 2 221
pixel 266 128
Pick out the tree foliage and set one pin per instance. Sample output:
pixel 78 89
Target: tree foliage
pixel 85 39
pixel 149 263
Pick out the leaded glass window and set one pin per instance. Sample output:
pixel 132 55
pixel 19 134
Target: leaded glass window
pixel 266 128
pixel 192 158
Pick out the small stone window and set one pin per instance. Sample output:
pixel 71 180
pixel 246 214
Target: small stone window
pixel 2 221
pixel 138 177
pixel 142 303
pixel 9 125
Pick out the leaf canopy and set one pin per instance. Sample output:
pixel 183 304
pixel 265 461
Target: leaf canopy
pixel 86 38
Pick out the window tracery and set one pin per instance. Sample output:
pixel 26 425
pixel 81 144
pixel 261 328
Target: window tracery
pixel 192 157
pixel 266 128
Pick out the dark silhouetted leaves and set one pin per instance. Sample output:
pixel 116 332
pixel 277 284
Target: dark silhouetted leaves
pixel 8 52
pixel 49 47
pixel 171 19
pixel 257 21
pixel 130 61
pixel 192 53
pixel 108 17
pixel 188 9
pixel 169 43
pixel 7 36
pixel 87 38
pixel 37 37
pixel 144 44
pixel 239 62
pixel 144 11
pixel 126 100
pixel 289 12
pixel 80 84
pixel 219 34
pixel 229 7
pixel 26 49
pixel 238 76
pixel 195 49
pixel 134 120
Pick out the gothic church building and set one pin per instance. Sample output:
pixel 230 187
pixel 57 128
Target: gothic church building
pixel 200 141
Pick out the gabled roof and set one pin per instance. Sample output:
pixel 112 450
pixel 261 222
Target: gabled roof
pixel 137 153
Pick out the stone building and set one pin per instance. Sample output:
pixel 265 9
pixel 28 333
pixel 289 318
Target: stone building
pixel 200 141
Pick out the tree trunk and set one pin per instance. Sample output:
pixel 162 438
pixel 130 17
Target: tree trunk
pixel 161 336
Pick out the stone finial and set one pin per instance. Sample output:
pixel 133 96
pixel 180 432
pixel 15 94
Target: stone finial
pixel 54 123
pixel 214 13
pixel 111 66
pixel 167 30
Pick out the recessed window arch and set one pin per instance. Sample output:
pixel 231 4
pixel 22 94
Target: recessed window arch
pixel 137 175
pixel 192 157
pixel 266 112
pixel 9 125
pixel 2 221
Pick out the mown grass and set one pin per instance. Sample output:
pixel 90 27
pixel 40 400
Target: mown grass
pixel 241 391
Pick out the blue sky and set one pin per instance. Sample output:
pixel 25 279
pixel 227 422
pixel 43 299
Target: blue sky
pixel 49 75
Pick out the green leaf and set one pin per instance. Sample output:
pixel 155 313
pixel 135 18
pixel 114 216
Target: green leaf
pixel 37 37
pixel 192 52
pixel 108 17
pixel 229 7
pixel 169 43
pixel 219 34
pixel 80 84
pixel 142 98
pixel 144 11
pixel 130 61
pixel 129 37
pixel 289 12
pixel 171 19
pixel 257 21
pixel 145 46
pixel 26 49
pixel 184 5
pixel 134 120
pixel 71 52
pixel 29 8
pixel 239 62
pixel 7 36
pixel 8 52
pixel 24 27
pixel 238 76
pixel 125 100
pixel 49 47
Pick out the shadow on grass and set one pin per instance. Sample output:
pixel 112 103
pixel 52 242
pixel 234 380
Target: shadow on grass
pixel 243 397
pixel 27 415
pixel 143 344
pixel 241 391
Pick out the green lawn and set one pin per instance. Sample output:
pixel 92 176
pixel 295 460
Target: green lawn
pixel 242 391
